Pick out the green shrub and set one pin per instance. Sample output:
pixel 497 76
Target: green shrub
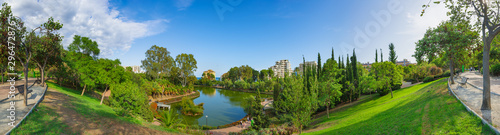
pixel 428 79
pixel 495 70
pixel 189 108
pixel 169 119
pixel 446 73
pixel 130 99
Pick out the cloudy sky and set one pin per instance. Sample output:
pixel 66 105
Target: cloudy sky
pixel 225 33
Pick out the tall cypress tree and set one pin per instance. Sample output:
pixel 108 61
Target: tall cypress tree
pixel 355 75
pixel 392 54
pixel 348 76
pixel 381 56
pixel 319 67
pixel 376 56
pixel 304 71
pixel 339 62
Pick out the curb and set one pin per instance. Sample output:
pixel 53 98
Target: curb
pixel 477 87
pixel 470 110
pixel 34 106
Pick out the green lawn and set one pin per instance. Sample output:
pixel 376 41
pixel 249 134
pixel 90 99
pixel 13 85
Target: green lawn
pixel 421 109
pixel 43 121
pixel 86 106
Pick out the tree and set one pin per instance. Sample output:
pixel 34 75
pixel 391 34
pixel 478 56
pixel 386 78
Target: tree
pixel 84 45
pixel 451 39
pixel 319 66
pixel 158 61
pixel 82 57
pixel 389 76
pixel 330 88
pixel 129 99
pixel 376 56
pixel 354 70
pixel 392 54
pixel 381 56
pixel 298 104
pixel 187 65
pixel 260 118
pixel 110 72
pixel 487 14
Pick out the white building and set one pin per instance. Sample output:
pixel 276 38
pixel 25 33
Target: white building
pixel 135 69
pixel 308 64
pixel 281 67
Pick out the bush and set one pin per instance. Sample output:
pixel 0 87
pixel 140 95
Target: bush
pixel 495 70
pixel 169 119
pixel 189 108
pixel 428 79
pixel 130 99
pixel 446 73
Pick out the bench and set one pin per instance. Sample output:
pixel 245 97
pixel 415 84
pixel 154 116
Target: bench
pixel 463 82
pixel 20 88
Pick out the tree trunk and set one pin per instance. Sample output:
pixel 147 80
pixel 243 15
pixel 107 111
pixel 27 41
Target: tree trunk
pixel 452 70
pixel 486 74
pixel 83 91
pixel 350 96
pixel 390 88
pixel 26 84
pixel 105 90
pixel 328 110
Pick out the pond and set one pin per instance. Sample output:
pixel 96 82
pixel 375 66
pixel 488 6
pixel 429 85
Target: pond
pixel 220 105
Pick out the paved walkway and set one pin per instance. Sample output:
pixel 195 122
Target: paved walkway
pixel 473 97
pixel 20 110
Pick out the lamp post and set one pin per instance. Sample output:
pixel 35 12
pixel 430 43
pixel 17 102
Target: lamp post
pixel 206 122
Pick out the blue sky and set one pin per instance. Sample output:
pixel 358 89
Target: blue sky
pixel 255 33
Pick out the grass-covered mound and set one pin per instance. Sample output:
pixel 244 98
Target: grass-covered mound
pixel 426 108
pixel 189 108
pixel 66 112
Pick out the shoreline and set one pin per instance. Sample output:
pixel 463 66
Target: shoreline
pixel 240 90
pixel 176 98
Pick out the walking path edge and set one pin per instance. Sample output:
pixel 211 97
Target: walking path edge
pixel 34 106
pixel 470 110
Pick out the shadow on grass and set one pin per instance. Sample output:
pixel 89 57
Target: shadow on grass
pixel 429 110
pixel 42 121
pixel 90 107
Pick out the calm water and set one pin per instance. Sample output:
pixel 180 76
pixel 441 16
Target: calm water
pixel 221 106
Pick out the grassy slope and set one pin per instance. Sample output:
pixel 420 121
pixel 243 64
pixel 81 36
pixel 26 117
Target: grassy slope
pixel 421 109
pixel 87 106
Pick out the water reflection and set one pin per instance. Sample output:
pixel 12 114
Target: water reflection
pixel 221 106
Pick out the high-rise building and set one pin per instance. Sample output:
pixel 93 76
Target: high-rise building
pixel 281 68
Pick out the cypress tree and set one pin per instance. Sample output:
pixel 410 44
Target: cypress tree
pixel 376 56
pixel 381 56
pixel 354 67
pixel 348 76
pixel 392 54
pixel 319 67
pixel 339 62
pixel 304 71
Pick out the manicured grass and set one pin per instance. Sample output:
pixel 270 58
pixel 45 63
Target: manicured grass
pixel 86 106
pixel 421 109
pixel 43 121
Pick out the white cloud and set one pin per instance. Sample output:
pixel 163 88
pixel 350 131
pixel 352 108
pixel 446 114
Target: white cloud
pixel 431 18
pixel 183 4
pixel 89 18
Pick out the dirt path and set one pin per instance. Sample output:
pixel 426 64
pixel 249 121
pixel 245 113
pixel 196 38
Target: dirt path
pixel 82 125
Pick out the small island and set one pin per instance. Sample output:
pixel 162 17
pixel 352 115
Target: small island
pixel 189 108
